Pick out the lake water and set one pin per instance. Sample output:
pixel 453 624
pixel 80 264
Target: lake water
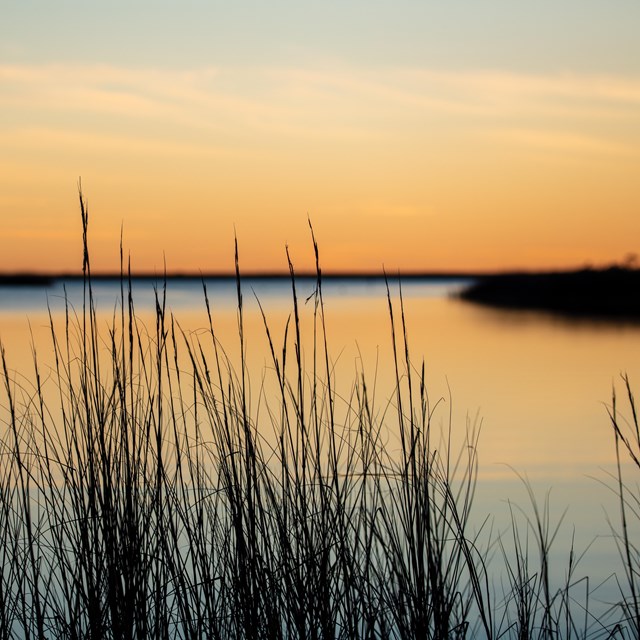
pixel 537 384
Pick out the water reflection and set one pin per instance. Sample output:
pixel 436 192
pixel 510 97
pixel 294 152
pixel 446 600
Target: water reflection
pixel 537 384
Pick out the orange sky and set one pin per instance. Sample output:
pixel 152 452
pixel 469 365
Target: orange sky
pixel 491 155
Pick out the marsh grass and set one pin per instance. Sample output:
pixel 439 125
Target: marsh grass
pixel 626 432
pixel 150 489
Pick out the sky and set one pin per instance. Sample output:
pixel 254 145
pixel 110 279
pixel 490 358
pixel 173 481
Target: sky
pixel 414 135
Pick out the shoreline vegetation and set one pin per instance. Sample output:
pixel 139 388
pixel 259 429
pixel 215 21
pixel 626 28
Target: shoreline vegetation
pixel 149 489
pixel 612 293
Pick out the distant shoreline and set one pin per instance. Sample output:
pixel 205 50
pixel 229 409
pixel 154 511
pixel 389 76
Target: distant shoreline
pixel 45 279
pixel 612 293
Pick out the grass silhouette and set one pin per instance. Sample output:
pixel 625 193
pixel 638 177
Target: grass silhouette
pixel 148 501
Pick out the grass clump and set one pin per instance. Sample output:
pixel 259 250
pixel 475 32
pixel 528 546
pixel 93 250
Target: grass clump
pixel 145 499
pixel 626 432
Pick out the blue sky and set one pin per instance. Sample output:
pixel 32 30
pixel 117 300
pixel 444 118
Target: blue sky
pixel 570 35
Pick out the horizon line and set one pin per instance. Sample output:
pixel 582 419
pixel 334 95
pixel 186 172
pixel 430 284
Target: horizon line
pixel 39 277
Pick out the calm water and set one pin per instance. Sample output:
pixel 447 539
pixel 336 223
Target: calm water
pixel 537 384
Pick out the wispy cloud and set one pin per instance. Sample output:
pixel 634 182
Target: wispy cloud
pixel 568 142
pixel 283 91
pixel 227 106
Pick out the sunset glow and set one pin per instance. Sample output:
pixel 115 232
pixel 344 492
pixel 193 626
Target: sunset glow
pixel 414 138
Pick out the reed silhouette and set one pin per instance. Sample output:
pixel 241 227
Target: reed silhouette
pixel 148 500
